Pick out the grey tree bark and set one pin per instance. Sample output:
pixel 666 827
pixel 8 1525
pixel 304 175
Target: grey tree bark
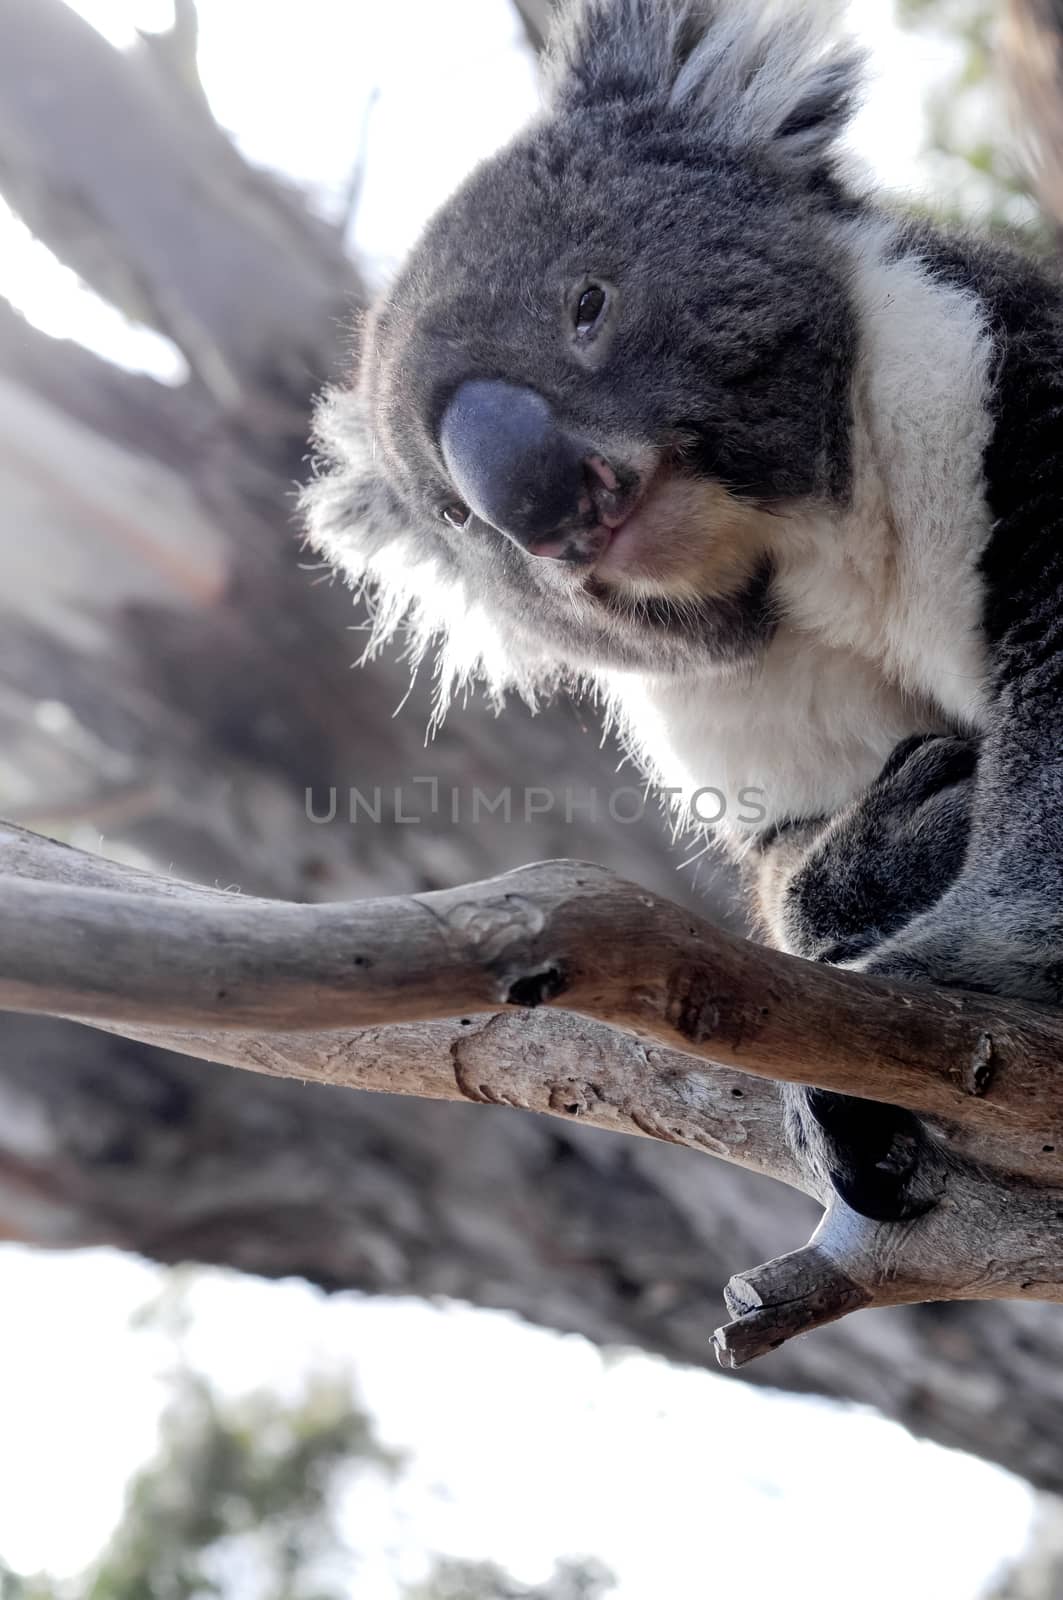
pixel 535 15
pixel 171 677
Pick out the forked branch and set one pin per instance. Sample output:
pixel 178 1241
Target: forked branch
pixel 561 989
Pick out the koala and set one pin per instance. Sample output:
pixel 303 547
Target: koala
pixel 666 405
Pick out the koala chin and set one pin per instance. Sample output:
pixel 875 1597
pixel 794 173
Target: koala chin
pixel 668 405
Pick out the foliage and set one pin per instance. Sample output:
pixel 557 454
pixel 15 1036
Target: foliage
pixel 236 1488
pixel 256 1471
pixel 241 1497
pixel 14 1587
pixel 971 149
pixel 458 1580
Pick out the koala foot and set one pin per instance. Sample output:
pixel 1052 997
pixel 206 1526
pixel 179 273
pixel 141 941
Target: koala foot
pixel 876 1157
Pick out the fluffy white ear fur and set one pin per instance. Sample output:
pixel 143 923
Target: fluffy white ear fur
pixel 354 521
pixel 770 74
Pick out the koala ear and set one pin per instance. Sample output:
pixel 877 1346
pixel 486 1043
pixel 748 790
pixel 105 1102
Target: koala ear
pixel 826 100
pixel 602 50
pixel 787 84
pixel 755 74
pixel 354 518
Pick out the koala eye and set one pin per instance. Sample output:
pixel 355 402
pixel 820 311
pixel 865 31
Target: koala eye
pixel 589 310
pixel 456 515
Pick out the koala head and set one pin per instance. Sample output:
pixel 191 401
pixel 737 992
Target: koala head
pixel 617 354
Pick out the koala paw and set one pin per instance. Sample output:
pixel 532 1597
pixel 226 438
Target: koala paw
pixel 920 790
pixel 985 934
pixel 888 857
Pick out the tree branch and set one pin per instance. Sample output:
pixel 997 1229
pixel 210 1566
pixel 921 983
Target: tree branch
pixel 127 409
pixel 562 934
pixel 116 163
pixel 548 1062
pixel 563 990
pixel 535 16
pixel 1032 58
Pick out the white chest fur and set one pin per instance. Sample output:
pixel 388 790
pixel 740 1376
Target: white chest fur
pixel 882 601
pixel 796 736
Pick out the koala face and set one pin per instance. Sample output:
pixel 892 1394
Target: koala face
pixel 619 352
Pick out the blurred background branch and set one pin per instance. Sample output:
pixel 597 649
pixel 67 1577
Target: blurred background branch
pixel 535 15
pixel 162 642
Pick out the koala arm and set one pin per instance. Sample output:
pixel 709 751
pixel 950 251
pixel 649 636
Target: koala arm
pixel 999 926
pixel 836 890
pixel 996 926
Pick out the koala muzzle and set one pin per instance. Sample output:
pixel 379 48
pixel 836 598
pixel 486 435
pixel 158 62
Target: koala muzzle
pixel 518 470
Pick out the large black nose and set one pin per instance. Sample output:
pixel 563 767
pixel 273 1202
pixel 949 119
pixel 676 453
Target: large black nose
pixel 513 465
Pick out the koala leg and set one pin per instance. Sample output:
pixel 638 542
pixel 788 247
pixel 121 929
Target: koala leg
pixel 837 891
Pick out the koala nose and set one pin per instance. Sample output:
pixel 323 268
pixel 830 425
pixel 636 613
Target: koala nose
pixel 514 466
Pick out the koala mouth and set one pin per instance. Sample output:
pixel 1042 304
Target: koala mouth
pixel 636 543
pixel 611 495
pixel 678 537
pixel 615 501
pixel 627 548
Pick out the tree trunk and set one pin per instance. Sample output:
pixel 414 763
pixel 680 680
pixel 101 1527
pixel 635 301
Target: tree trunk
pixel 173 677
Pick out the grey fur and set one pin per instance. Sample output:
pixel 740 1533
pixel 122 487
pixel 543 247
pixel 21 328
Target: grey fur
pixel 688 163
pixel 837 889
pixel 729 311
pixel 751 79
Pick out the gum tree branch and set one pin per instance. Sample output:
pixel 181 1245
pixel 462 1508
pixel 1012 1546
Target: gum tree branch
pixel 1031 56
pixel 116 162
pixel 561 989
pixel 535 16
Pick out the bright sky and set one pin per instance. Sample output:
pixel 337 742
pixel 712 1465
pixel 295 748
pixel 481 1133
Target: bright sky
pixel 525 1446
